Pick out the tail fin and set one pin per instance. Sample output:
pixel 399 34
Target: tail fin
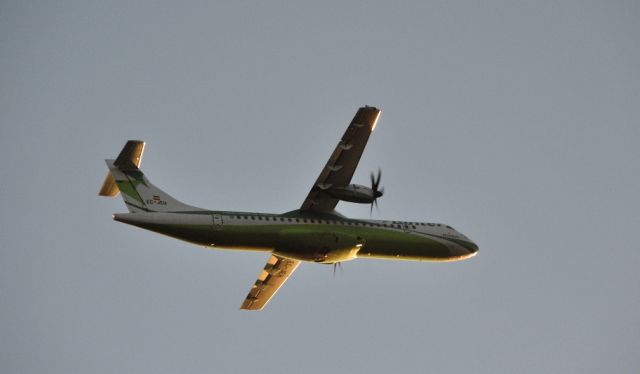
pixel 139 194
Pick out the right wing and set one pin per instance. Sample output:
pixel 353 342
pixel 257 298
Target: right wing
pixel 343 161
pixel 276 272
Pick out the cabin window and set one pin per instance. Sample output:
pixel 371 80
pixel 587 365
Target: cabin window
pixel 289 219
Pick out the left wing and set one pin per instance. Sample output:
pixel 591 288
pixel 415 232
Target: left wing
pixel 276 272
pixel 343 161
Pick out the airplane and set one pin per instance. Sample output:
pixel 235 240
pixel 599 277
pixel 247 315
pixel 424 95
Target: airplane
pixel 315 232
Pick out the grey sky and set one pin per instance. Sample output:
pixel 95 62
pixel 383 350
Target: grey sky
pixel 515 122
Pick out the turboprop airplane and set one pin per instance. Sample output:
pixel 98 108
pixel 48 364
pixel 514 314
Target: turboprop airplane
pixel 313 233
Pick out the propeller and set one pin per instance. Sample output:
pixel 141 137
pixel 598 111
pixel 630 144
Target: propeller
pixel 337 265
pixel 377 192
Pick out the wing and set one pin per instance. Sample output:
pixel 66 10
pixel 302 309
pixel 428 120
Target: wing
pixel 343 161
pixel 276 272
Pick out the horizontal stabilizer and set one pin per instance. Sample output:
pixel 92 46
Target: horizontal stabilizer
pixel 130 156
pixel 109 187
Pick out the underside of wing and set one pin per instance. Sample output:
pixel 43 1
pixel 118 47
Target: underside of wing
pixel 276 272
pixel 343 161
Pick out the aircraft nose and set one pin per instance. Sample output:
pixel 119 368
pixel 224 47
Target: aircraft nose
pixel 464 249
pixel 473 247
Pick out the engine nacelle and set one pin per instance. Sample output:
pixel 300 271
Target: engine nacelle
pixel 354 193
pixel 318 246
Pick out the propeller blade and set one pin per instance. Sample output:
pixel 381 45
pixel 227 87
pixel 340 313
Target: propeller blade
pixel 375 184
pixel 339 266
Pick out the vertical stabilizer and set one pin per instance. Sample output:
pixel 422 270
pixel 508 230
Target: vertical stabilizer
pixel 139 194
pixel 129 158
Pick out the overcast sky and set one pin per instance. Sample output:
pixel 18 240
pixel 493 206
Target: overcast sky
pixel 515 122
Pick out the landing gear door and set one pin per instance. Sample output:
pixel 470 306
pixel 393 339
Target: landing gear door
pixel 217 221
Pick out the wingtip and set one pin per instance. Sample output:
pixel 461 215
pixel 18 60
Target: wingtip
pixel 375 121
